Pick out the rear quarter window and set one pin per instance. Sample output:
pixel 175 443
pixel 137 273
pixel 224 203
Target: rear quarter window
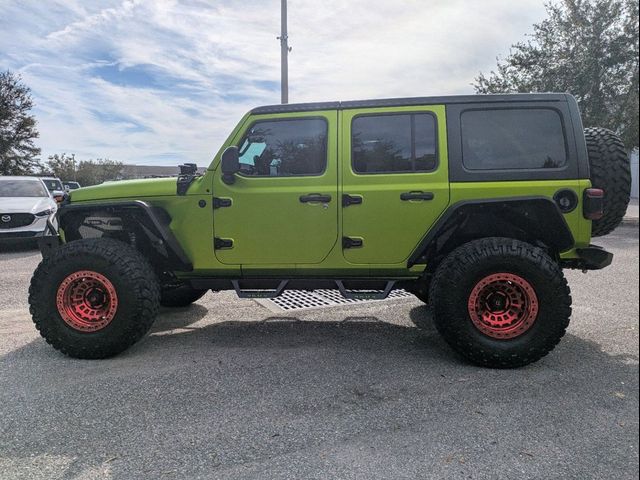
pixel 513 139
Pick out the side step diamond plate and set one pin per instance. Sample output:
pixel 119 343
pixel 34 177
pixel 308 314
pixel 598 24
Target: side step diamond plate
pixel 291 300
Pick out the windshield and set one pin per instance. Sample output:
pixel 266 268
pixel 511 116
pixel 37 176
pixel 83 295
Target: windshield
pixel 22 188
pixel 53 184
pixel 72 185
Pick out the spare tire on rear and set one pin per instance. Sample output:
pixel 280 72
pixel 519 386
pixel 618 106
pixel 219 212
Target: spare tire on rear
pixel 610 171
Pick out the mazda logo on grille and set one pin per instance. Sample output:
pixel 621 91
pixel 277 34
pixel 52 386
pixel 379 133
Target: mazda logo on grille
pixel 6 218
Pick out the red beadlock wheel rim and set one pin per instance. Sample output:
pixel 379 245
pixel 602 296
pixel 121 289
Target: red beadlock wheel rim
pixel 503 305
pixel 87 301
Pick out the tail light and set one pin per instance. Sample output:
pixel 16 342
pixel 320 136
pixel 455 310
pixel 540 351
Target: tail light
pixel 593 203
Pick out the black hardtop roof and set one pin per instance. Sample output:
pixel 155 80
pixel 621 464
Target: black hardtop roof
pixel 410 101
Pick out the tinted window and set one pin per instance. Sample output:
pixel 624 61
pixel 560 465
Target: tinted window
pixel 22 188
pixel 393 143
pixel 281 148
pixel 512 139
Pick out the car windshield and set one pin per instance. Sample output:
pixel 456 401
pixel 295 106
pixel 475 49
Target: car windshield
pixel 22 188
pixel 72 185
pixel 52 184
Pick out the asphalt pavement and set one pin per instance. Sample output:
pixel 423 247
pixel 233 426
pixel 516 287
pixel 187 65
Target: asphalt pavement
pixel 229 389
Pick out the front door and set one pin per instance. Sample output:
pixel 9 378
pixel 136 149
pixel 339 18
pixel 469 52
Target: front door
pixel 282 208
pixel 395 180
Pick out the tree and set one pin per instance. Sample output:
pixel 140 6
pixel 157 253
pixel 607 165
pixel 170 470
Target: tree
pixel 588 48
pixel 18 153
pixel 85 172
pixel 62 166
pixel 93 172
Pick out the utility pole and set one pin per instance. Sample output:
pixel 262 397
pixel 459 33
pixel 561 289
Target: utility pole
pixel 284 53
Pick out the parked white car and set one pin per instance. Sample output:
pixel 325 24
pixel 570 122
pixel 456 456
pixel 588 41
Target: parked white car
pixel 25 207
pixel 55 187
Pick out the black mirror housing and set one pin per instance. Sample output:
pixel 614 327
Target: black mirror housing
pixel 230 164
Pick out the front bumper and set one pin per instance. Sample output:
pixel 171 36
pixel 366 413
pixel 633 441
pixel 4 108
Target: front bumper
pixel 33 230
pixel 592 257
pixel 8 235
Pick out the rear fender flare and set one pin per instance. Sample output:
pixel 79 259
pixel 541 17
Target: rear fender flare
pixel 533 219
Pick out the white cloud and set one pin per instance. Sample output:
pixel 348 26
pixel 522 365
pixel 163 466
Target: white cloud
pixel 154 81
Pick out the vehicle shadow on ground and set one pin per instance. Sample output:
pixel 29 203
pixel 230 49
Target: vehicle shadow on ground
pixel 258 399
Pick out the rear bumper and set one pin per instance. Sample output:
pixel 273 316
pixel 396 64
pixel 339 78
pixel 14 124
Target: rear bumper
pixel 592 257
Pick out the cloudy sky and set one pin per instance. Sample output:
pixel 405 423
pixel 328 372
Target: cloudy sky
pixel 164 81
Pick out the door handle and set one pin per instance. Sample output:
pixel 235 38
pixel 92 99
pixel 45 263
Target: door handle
pixel 406 196
pixel 315 197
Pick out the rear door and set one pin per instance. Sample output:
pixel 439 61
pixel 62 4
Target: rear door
pixel 394 180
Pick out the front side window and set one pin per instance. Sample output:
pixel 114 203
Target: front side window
pixel 512 139
pixel 284 148
pixel 393 143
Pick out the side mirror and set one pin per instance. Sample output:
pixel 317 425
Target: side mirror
pixel 230 164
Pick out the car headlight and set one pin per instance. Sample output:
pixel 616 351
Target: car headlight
pixel 46 213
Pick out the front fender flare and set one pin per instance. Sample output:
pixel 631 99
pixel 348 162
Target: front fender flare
pixel 155 218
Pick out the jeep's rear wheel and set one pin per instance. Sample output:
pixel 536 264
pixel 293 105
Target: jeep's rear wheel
pixel 180 296
pixel 610 171
pixel 500 302
pixel 94 298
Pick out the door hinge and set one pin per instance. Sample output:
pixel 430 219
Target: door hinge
pixel 221 202
pixel 348 242
pixel 219 243
pixel 351 199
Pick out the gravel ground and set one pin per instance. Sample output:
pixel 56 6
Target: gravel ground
pixel 228 389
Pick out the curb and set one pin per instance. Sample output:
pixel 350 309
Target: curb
pixel 631 221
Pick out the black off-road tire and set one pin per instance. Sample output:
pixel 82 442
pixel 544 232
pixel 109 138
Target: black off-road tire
pixel 137 293
pixel 180 296
pixel 464 268
pixel 610 171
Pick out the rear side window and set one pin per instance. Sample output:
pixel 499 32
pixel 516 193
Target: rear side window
pixel 393 143
pixel 284 148
pixel 513 139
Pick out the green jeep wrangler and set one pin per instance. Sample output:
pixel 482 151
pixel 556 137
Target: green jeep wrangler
pixel 473 203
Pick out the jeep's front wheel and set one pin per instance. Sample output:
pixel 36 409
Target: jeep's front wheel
pixel 500 303
pixel 94 298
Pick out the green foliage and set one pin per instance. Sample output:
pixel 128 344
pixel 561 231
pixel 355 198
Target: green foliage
pixel 588 48
pixel 61 166
pixel 18 153
pixel 86 172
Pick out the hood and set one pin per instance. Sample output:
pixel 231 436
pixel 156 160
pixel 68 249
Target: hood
pixel 150 187
pixel 26 204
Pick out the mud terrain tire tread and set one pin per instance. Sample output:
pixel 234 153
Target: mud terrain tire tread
pixel 611 171
pixel 465 266
pixel 135 282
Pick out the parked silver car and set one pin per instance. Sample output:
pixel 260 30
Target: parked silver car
pixel 25 207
